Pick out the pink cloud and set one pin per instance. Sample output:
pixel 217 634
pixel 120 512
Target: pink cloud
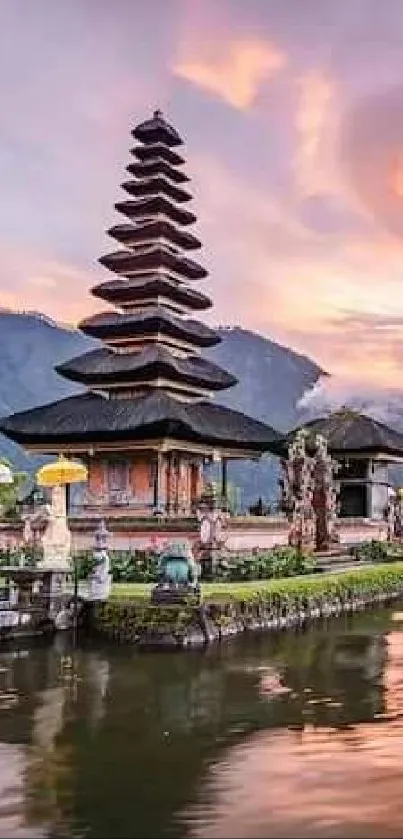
pixel 301 226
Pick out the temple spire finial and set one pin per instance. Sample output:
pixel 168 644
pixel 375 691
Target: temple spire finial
pixel 158 114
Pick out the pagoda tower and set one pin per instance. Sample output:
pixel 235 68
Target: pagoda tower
pixel 146 423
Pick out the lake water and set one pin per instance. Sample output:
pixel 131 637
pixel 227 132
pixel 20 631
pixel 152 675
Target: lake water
pixel 292 736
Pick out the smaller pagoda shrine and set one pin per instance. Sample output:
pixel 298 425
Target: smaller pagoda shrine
pixel 146 424
pixel 363 449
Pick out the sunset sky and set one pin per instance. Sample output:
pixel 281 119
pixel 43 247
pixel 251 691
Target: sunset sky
pixel 292 113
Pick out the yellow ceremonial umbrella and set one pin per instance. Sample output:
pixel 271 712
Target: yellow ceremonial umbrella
pixel 61 472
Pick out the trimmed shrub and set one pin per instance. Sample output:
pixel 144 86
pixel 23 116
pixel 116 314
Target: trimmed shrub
pixel 31 556
pixel 278 562
pixel 377 552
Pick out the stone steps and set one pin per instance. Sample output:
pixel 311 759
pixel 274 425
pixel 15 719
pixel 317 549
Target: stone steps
pixel 337 560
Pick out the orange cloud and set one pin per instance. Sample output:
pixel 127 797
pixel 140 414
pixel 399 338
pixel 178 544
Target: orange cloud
pixel 233 71
pixel 396 180
pixel 46 284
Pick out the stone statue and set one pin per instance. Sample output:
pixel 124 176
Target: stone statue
pixel 100 579
pixel 35 524
pixel 177 576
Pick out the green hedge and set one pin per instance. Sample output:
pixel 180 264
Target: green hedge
pixel 282 562
pixel 142 566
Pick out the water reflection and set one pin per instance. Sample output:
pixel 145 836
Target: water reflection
pixel 39 695
pixel 286 735
pixel 319 782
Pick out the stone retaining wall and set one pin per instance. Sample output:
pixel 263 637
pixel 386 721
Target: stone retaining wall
pixel 243 533
pixel 138 623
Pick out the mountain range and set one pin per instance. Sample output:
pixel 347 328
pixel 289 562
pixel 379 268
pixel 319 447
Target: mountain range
pixel 272 379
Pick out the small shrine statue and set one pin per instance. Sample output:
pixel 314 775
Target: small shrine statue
pixel 100 579
pixel 178 575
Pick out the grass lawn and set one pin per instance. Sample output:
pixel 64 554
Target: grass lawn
pixel 141 590
pixel 376 577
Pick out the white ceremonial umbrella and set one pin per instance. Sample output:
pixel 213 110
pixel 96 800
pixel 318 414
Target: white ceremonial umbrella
pixel 6 475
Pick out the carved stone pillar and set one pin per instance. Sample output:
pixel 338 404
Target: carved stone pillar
pixel 157 483
pixel 224 481
pixel 172 501
pixel 183 499
pixel 196 484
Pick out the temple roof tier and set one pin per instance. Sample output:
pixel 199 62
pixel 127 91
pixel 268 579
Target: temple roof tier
pixel 124 292
pixel 130 234
pixel 146 208
pixel 157 130
pixel 153 387
pixel 146 168
pixel 153 258
pixel 150 322
pixel 102 367
pixel 348 432
pixel 156 186
pixel 156 151
pixel 91 418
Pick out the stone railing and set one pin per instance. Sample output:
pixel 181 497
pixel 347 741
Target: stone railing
pixel 355 529
pixel 248 532
pixel 119 503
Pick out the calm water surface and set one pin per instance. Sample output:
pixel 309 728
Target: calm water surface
pixel 290 736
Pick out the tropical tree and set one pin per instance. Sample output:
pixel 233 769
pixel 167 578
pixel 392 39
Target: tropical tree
pixel 10 491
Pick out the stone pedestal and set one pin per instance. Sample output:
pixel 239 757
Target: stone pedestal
pixel 213 531
pixel 56 540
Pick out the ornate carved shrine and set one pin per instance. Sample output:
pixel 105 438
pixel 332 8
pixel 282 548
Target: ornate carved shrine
pixel 325 495
pixel 309 494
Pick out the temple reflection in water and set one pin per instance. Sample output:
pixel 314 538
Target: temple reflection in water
pixel 73 714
